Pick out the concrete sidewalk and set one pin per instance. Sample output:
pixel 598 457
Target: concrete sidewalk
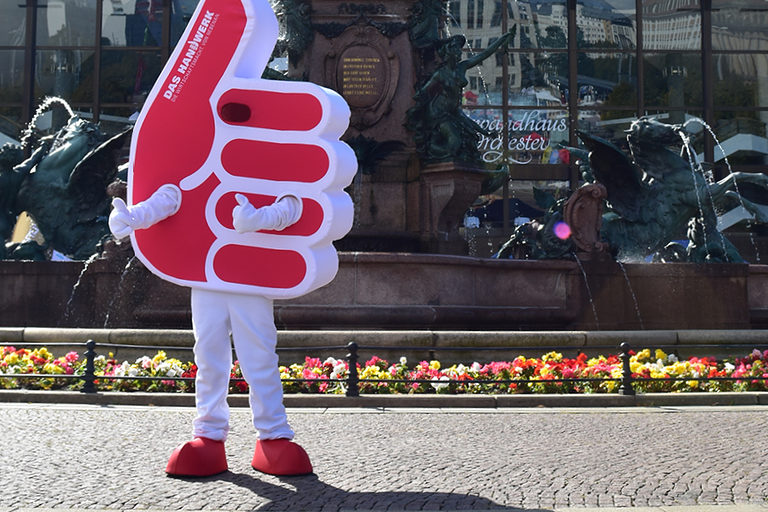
pixel 299 400
pixel 79 456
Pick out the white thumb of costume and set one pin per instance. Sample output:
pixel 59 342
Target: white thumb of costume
pixel 286 210
pixel 124 219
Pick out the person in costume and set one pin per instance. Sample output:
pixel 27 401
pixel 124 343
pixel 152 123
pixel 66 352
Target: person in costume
pixel 240 141
pixel 216 315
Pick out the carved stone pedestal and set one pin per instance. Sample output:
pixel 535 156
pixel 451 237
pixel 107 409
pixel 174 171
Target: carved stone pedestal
pixel 447 190
pixel 583 212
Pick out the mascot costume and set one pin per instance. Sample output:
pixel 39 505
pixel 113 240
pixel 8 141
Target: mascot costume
pixel 235 189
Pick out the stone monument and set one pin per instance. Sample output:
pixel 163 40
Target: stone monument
pixel 386 59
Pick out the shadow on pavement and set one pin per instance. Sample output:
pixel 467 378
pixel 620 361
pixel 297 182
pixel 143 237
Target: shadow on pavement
pixel 311 493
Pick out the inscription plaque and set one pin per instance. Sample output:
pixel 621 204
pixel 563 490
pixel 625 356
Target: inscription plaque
pixel 362 75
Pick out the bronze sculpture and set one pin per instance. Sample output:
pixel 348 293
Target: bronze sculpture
pixel 442 131
pixel 63 187
pixel 653 197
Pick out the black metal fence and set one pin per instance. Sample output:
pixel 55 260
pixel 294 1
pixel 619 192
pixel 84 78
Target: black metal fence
pixel 352 382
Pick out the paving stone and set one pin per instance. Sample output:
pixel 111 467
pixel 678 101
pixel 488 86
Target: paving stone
pixel 113 458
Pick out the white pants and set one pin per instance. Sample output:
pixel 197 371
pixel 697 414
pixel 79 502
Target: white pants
pixel 249 318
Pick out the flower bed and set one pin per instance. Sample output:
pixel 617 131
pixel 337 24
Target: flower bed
pixel 551 373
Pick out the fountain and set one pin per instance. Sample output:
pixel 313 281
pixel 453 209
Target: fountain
pixel 62 186
pixel 636 207
pixel 409 197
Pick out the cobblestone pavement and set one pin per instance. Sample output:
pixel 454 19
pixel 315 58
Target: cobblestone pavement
pixel 113 458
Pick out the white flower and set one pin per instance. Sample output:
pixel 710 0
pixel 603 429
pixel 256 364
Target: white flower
pixel 133 372
pixel 403 361
pixel 729 367
pixel 440 386
pixel 672 358
pixel 122 369
pixel 476 367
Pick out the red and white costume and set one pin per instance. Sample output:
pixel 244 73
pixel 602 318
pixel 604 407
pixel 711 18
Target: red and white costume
pixel 243 210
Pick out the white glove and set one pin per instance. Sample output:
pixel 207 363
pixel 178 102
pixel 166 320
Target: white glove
pixel 124 219
pixel 286 210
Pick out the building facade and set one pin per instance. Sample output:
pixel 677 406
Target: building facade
pixel 589 65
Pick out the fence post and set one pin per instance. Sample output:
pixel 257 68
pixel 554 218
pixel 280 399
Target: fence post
pixel 626 376
pixel 89 376
pixel 352 378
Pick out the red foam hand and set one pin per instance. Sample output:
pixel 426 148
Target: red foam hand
pixel 215 128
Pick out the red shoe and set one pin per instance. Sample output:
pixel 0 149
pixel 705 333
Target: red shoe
pixel 281 457
pixel 199 457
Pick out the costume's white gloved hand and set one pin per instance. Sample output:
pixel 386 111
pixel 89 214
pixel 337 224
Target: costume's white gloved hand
pixel 285 211
pixel 124 219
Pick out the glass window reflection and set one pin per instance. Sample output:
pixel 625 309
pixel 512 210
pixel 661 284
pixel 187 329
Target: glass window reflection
pixel 534 135
pixel 181 12
pixel 11 125
pixel 13 16
pixel 543 74
pixel 66 23
pixel 673 80
pixel 11 76
pixel 607 79
pixel 66 73
pixel 539 24
pixel 543 24
pixel 672 25
pixel 127 76
pixel 740 25
pixel 740 80
pixel 742 134
pixel 606 24
pixel 132 23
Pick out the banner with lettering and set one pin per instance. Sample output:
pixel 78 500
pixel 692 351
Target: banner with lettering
pixel 214 127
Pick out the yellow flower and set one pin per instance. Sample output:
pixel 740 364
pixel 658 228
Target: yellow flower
pixel 12 358
pixel 434 365
pixel 660 354
pixel 159 357
pixel 596 360
pixel 634 366
pixel 52 368
pixel 693 383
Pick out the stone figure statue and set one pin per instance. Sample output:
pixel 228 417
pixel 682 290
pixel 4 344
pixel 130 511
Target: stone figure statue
pixel 296 28
pixel 657 194
pixel 425 23
pixel 63 187
pixel 442 131
pixel 653 196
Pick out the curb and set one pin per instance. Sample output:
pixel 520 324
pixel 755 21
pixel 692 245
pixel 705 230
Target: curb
pixel 746 398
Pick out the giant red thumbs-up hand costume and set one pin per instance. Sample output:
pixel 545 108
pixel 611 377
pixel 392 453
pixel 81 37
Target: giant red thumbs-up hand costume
pixel 211 135
pixel 215 128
